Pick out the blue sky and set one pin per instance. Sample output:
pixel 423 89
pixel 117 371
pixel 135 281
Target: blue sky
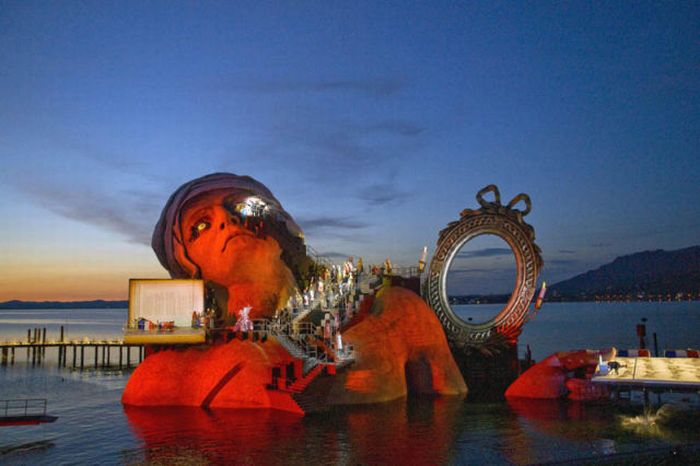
pixel 374 123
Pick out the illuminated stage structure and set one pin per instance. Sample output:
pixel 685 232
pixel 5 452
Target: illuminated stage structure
pixel 230 232
pixel 487 352
pixel 161 312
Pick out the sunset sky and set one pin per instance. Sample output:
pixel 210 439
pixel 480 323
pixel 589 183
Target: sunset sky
pixel 374 123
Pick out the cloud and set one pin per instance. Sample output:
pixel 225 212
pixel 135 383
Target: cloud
pixel 567 251
pixel 334 255
pixel 561 262
pixel 487 252
pixel 382 194
pixel 501 271
pixel 375 87
pixel 481 281
pixel 318 142
pixel 325 149
pixel 87 183
pixel 466 271
pixel 132 215
pixel 601 245
pixel 324 223
pixel 109 160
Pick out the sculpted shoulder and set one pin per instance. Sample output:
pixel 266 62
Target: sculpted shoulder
pixel 398 299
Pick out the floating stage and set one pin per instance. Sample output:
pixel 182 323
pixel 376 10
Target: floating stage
pixel 175 336
pixel 652 374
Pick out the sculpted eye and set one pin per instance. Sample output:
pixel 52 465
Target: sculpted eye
pixel 198 228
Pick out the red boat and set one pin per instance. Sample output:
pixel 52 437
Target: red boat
pixel 566 374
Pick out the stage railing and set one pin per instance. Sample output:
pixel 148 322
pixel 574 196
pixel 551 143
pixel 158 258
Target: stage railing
pixel 23 408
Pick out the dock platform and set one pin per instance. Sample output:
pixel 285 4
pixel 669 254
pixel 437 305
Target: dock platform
pixel 24 412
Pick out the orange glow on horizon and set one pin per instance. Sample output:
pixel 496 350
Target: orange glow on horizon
pixel 87 283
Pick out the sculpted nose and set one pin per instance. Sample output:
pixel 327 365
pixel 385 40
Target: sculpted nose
pixel 231 220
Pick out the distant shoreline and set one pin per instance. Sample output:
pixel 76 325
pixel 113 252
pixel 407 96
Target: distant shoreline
pixel 558 298
pixel 96 304
pixel 500 299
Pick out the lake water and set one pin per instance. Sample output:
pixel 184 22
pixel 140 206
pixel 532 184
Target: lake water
pixel 93 427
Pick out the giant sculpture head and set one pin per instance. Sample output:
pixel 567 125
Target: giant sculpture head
pixel 232 231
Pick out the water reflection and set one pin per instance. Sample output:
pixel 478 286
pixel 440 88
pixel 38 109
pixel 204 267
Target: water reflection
pixel 191 435
pixel 11 450
pixel 574 428
pixel 416 432
pixel 553 415
pixel 409 431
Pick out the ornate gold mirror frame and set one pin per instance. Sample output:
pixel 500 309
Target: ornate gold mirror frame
pixel 507 223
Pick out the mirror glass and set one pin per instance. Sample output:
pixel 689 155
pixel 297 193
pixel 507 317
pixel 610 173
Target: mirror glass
pixel 481 278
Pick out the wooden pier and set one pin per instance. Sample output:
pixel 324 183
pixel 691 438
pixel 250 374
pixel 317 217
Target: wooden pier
pixel 77 354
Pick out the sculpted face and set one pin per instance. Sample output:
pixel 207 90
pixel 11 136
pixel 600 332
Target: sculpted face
pixel 228 251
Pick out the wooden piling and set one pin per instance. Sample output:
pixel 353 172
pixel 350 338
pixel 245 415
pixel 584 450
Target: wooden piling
pixel 13 357
pixel 109 352
pixel 128 356
pixel 95 356
pixel 82 357
pixel 34 340
pixel 4 356
pixel 75 348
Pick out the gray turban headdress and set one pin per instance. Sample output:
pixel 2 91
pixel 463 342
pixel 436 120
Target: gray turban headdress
pixel 280 224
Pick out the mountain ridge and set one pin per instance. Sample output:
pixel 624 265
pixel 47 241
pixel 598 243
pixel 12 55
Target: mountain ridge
pixel 647 272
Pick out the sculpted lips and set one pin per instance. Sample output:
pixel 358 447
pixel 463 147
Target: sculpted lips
pixel 235 235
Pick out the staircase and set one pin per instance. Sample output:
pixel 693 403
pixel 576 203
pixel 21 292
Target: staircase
pixel 299 317
pixel 314 397
pixel 290 346
pixel 310 361
pixel 312 387
pixel 300 384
